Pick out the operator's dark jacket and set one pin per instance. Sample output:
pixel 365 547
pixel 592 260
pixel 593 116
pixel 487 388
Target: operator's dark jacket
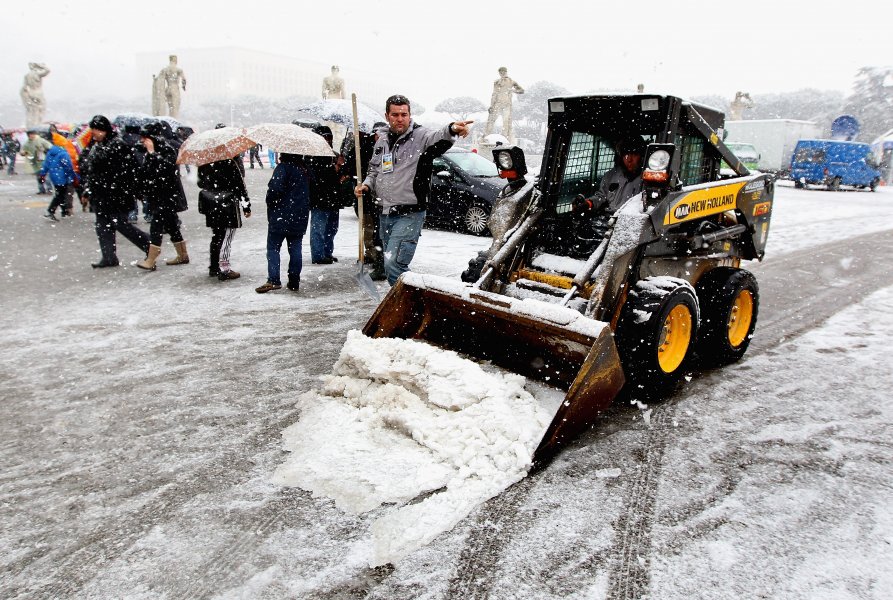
pixel 160 180
pixel 111 176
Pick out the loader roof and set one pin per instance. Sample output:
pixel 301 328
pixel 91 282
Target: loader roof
pixel 609 114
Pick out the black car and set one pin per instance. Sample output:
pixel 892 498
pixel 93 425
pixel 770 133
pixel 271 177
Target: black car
pixel 464 186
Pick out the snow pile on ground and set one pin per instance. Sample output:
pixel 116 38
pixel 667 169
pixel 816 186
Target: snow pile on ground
pixel 403 422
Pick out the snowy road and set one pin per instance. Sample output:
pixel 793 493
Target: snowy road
pixel 142 414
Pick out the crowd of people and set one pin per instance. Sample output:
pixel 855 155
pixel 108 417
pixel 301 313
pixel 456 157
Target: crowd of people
pixel 111 174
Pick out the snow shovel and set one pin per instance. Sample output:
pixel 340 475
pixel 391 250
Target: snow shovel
pixel 362 277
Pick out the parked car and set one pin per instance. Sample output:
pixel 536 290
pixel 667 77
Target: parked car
pixel 464 186
pixel 833 163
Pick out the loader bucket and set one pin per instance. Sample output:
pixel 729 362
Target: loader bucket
pixel 556 345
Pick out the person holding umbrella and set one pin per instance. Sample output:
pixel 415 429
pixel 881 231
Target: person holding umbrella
pixel 223 183
pixel 288 212
pixel 163 190
pixel 399 153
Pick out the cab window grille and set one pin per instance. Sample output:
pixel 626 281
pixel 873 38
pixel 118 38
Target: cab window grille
pixel 694 167
pixel 588 158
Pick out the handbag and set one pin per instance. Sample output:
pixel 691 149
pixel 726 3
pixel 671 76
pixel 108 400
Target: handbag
pixel 216 202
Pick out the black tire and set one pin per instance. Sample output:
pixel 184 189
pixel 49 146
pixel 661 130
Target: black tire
pixel 834 185
pixel 874 183
pixel 656 333
pixel 730 300
pixel 476 219
pixel 799 185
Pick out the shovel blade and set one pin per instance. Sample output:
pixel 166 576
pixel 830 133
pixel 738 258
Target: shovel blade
pixel 367 284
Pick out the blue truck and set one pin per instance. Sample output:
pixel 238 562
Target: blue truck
pixel 834 163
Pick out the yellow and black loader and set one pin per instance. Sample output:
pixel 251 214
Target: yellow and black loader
pixel 589 305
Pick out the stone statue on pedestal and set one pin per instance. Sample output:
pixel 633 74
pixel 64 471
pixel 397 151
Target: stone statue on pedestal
pixel 741 102
pixel 501 103
pixel 32 94
pixel 172 79
pixel 333 85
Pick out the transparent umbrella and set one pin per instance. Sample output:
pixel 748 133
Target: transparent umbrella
pixel 290 139
pixel 341 112
pixel 213 145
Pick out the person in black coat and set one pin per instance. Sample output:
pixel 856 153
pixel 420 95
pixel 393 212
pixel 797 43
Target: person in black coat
pixel 225 182
pixel 288 211
pixel 163 190
pixel 109 187
pixel 325 202
pixel 372 253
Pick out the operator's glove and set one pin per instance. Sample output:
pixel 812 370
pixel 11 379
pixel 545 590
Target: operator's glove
pixel 583 204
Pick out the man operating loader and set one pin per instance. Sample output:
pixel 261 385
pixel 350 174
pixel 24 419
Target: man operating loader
pixel 620 183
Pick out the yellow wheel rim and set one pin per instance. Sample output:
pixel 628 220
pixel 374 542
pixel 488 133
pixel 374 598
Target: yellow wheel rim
pixel 675 339
pixel 740 318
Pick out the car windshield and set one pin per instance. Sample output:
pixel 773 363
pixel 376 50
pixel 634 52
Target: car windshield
pixel 474 164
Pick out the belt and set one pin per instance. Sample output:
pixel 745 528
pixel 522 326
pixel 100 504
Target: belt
pixel 401 209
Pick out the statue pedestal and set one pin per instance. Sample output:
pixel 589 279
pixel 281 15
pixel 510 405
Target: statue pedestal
pixel 488 142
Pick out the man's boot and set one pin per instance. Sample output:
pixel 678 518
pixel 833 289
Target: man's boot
pixel 182 255
pixel 149 262
pixel 378 273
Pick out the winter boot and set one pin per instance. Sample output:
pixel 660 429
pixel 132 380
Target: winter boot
pixel 294 282
pixel 182 255
pixel 149 263
pixel 378 273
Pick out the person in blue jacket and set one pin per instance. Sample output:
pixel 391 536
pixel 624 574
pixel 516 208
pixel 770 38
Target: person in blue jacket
pixel 288 212
pixel 57 165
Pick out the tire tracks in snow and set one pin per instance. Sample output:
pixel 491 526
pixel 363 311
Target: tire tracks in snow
pixel 799 291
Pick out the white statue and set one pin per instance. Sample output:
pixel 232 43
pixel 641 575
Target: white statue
pixel 158 99
pixel 173 78
pixel 741 102
pixel 333 85
pixel 501 103
pixel 32 94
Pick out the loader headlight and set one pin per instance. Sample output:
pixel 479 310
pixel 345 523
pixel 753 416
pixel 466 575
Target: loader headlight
pixel 659 164
pixel 510 162
pixel 659 160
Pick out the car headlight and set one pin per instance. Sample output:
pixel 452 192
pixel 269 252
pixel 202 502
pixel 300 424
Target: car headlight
pixel 504 159
pixel 659 160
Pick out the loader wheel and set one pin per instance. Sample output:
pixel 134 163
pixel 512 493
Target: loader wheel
pixel 476 219
pixel 729 300
pixel 834 185
pixel 874 183
pixel 656 333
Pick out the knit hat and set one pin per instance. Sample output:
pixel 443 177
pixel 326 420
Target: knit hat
pixel 101 123
pixel 634 144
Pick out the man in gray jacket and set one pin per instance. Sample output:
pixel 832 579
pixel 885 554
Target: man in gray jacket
pixel 397 179
pixel 621 182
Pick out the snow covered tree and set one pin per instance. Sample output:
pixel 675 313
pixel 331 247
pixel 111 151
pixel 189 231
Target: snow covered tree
pixel 872 101
pixel 533 104
pixel 461 107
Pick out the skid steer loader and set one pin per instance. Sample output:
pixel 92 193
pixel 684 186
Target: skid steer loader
pixel 656 289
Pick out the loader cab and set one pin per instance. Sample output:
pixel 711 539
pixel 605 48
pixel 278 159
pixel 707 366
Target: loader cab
pixel 580 149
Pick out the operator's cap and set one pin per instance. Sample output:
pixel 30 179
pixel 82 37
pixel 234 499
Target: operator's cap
pixel 631 145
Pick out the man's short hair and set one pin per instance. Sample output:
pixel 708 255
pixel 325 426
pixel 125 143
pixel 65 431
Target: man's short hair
pixel 399 100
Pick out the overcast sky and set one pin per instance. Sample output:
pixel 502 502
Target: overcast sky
pixel 454 48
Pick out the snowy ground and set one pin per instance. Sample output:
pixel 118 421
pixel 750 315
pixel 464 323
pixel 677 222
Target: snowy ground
pixel 142 427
